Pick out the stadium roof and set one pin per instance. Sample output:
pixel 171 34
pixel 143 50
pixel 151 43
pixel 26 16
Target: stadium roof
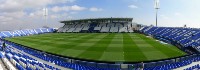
pixel 96 19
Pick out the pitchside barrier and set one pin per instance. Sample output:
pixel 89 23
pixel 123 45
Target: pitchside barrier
pixel 105 64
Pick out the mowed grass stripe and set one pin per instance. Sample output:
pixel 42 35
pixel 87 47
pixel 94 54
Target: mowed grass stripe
pixel 47 35
pixel 55 37
pixel 98 46
pixel 148 50
pixel 96 51
pixel 167 50
pixel 43 37
pixel 85 43
pixel 28 42
pixel 39 43
pixel 43 45
pixel 74 44
pixel 116 44
pixel 131 50
pixel 114 50
pixel 71 43
pixel 55 48
pixel 81 47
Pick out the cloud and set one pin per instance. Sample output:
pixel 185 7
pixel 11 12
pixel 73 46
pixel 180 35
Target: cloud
pixel 177 14
pixel 164 17
pixel 31 14
pixel 77 8
pixel 135 0
pixel 36 14
pixel 57 9
pixel 73 12
pixel 4 19
pixel 54 16
pixel 21 14
pixel 63 1
pixel 18 5
pixel 67 8
pixel 95 9
pixel 17 14
pixel 132 6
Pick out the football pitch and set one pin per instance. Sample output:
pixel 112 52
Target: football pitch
pixel 114 47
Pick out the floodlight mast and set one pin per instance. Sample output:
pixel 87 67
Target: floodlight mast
pixel 45 14
pixel 157 6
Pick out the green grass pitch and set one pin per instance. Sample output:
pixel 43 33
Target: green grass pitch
pixel 115 47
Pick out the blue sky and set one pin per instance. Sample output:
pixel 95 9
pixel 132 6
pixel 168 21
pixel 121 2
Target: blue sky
pixel 22 14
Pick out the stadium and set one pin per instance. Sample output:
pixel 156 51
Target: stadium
pixel 111 43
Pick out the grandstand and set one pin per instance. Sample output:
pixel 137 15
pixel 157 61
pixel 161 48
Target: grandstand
pixel 83 45
pixel 113 25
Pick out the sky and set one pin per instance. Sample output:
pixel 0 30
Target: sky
pixel 28 14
